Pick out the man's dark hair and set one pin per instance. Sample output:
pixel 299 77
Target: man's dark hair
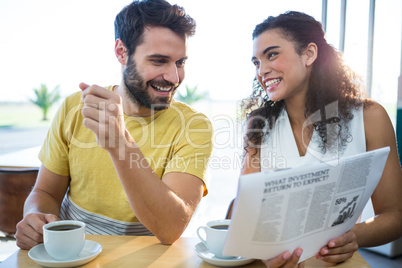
pixel 130 23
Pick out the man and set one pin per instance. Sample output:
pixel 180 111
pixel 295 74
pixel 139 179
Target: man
pixel 131 159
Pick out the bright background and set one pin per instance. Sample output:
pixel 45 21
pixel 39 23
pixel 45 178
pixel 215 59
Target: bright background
pixel 65 42
pixel 60 42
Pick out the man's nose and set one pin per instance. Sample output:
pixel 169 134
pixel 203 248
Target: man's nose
pixel 172 75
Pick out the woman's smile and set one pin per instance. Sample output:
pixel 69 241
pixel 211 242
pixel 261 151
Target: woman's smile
pixel 270 84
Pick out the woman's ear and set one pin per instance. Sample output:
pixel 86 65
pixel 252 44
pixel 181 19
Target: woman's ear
pixel 311 53
pixel 121 52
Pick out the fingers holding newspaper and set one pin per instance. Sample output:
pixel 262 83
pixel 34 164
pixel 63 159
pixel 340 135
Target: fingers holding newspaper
pixel 286 260
pixel 339 249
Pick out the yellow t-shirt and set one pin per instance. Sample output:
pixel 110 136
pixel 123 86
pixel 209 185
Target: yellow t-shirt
pixel 177 139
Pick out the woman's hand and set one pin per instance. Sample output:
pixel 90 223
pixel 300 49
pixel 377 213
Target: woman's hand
pixel 286 260
pixel 339 249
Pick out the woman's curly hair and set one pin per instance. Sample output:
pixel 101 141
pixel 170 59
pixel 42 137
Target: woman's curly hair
pixel 331 81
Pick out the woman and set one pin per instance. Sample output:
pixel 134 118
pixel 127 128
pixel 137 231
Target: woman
pixel 308 106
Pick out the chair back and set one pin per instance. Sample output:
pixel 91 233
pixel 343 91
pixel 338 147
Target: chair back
pixel 15 186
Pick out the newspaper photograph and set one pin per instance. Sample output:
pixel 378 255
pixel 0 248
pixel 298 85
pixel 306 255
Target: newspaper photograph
pixel 304 207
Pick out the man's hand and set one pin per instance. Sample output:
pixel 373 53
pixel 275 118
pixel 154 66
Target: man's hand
pixel 339 249
pixel 103 114
pixel 286 260
pixel 29 230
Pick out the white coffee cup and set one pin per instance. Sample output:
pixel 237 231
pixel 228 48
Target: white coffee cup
pixel 64 239
pixel 216 232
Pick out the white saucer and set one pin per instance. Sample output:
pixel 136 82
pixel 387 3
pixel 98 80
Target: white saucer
pixel 204 253
pixel 39 255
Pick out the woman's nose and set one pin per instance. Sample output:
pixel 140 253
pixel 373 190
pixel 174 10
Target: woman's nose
pixel 264 69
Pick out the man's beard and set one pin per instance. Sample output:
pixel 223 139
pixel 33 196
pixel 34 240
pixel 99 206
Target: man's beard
pixel 138 89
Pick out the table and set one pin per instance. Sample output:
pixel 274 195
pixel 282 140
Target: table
pixel 147 251
pixel 27 158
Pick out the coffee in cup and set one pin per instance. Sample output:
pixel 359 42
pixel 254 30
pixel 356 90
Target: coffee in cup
pixel 215 236
pixel 64 239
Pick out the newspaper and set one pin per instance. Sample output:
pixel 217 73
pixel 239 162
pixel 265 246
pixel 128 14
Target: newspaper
pixel 305 206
